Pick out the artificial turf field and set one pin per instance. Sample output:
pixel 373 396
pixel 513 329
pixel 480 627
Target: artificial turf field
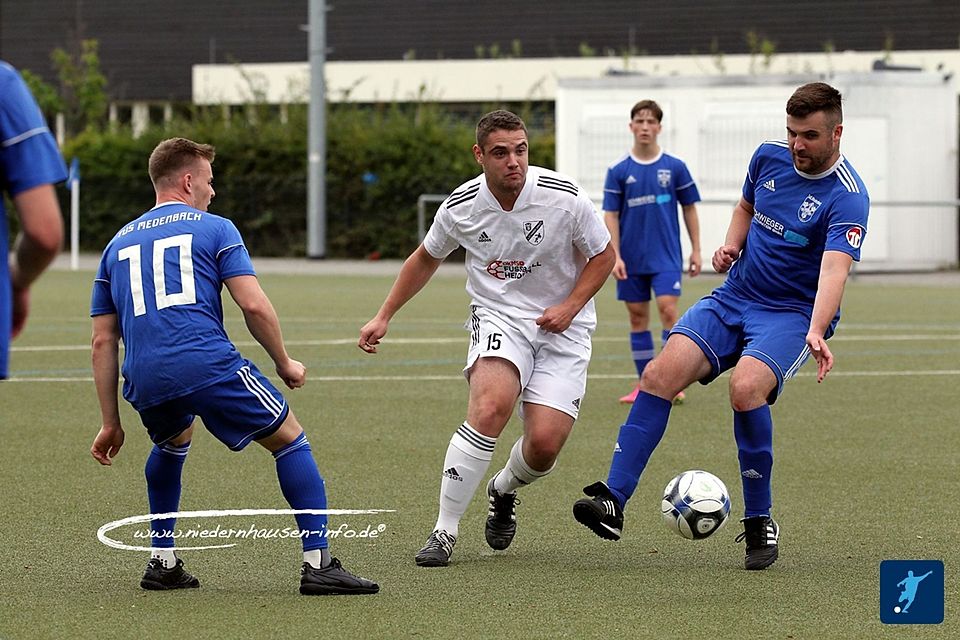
pixel 865 471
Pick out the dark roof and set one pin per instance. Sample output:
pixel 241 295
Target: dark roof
pixel 148 46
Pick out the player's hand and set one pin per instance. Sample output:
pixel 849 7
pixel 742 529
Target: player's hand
pixel 724 257
pixel 21 309
pixel 370 335
pixel 556 319
pixel 107 444
pixel 821 353
pixel 619 269
pixel 696 264
pixel 293 373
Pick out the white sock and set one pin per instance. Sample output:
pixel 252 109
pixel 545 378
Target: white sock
pixel 167 556
pixel 468 457
pixel 517 473
pixel 317 558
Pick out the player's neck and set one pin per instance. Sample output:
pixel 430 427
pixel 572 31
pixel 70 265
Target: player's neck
pixel 164 197
pixel 506 199
pixel 646 151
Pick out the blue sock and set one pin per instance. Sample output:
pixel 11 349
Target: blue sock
pixel 638 437
pixel 754 433
pixel 663 338
pixel 641 346
pixel 303 488
pixel 163 470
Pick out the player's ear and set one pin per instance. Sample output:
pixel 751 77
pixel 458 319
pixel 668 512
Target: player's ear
pixel 478 154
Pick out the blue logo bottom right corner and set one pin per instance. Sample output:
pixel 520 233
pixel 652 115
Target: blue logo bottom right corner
pixel 911 591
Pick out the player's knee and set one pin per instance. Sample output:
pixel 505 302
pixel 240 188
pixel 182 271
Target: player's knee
pixel 540 450
pixel 489 416
pixel 655 379
pixel 746 394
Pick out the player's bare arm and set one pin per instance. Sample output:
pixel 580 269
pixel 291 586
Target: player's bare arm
pixel 39 242
pixel 834 268
pixel 416 271
pixel 557 319
pixel 264 325
pixel 612 221
pixel 726 255
pixel 105 349
pixel 692 221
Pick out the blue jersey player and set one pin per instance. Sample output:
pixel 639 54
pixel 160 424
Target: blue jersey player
pixel 158 289
pixel 794 235
pixel 30 164
pixel 640 199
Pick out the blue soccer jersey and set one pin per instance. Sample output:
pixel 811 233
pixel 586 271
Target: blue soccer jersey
pixel 29 157
pixel 162 275
pixel 796 218
pixel 647 194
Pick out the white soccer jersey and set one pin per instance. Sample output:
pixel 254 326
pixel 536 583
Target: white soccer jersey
pixel 523 261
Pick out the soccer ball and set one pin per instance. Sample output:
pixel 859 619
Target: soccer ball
pixel 695 504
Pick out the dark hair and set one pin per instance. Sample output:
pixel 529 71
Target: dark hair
pixel 813 97
pixel 496 121
pixel 650 106
pixel 176 155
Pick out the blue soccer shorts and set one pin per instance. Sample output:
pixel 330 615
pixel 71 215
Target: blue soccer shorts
pixel 727 326
pixel 244 407
pixel 636 288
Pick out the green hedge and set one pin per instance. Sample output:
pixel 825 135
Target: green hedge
pixel 379 160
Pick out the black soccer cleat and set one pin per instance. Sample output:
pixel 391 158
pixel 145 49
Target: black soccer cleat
pixel 332 580
pixel 601 513
pixel 762 534
pixel 501 518
pixel 159 578
pixel 437 551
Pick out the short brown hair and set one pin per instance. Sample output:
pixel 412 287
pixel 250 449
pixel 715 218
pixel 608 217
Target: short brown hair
pixel 496 121
pixel 650 106
pixel 176 155
pixel 813 97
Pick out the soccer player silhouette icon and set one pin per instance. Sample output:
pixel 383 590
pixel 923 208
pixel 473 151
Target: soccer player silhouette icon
pixel 909 585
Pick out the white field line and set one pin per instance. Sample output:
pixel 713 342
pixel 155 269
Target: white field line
pixel 929 337
pixel 593 376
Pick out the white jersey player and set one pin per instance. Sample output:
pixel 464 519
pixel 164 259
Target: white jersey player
pixel 537 252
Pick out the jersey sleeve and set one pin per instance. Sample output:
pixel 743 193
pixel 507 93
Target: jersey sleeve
pixel 612 191
pixel 232 257
pixel 101 300
pixel 439 241
pixel 847 225
pixel 753 170
pixel 591 235
pixel 28 153
pixel 687 192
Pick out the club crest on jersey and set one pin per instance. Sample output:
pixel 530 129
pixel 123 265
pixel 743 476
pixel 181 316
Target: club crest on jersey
pixel 854 237
pixel 663 177
pixel 808 208
pixel 533 230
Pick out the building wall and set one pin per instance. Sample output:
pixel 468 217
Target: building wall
pixel 148 48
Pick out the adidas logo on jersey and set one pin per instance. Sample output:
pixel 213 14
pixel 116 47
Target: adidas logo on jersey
pixel 616 448
pixel 753 474
pixel 484 237
pixel 576 403
pixel 769 186
pixel 452 474
pixel 631 180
